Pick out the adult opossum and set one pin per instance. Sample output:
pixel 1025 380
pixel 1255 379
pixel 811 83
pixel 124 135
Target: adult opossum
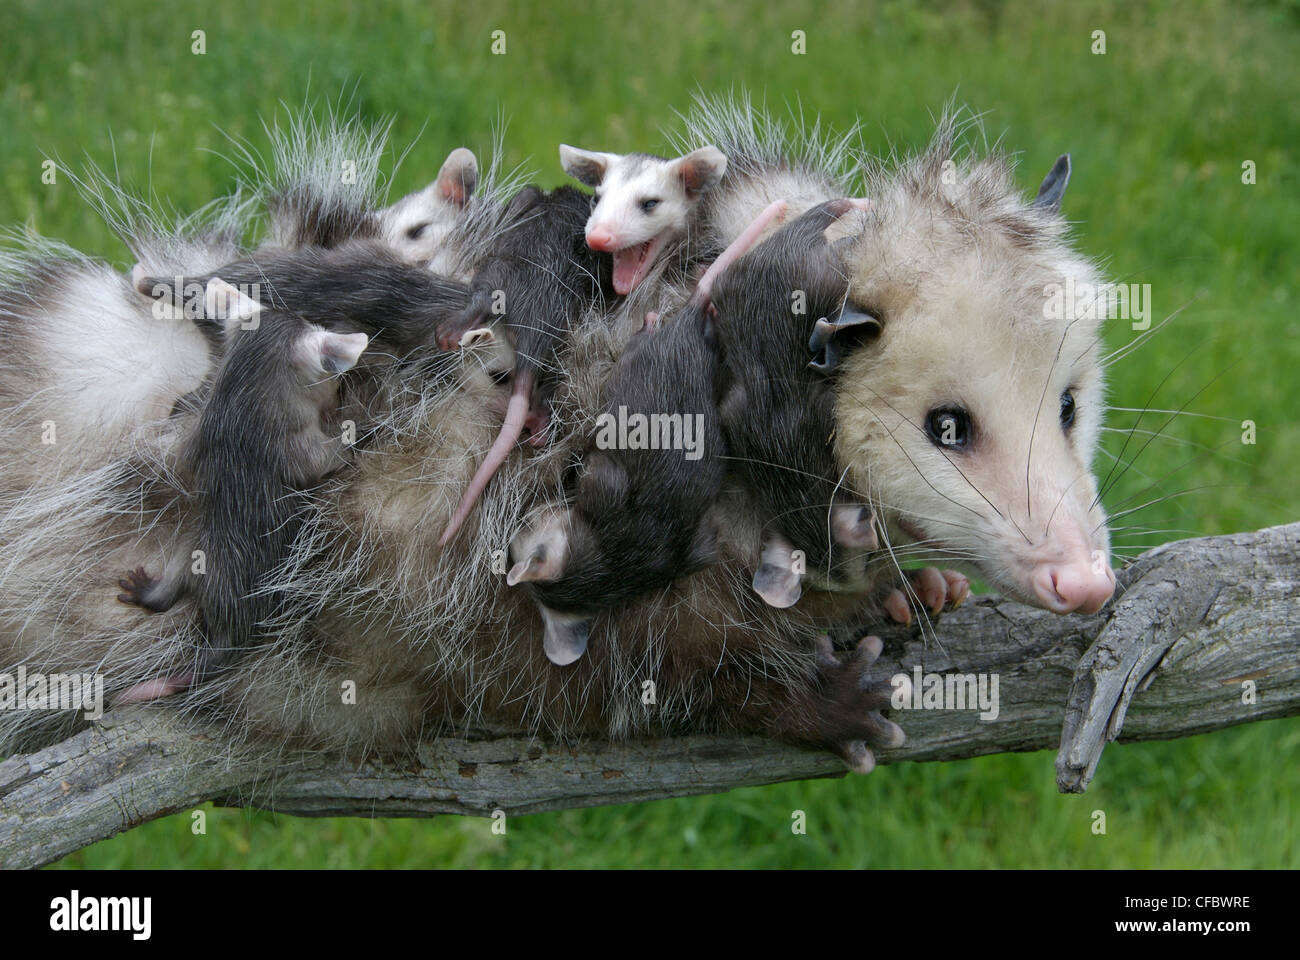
pixel 951 262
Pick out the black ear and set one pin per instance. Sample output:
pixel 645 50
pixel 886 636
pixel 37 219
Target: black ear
pixel 1052 189
pixel 831 338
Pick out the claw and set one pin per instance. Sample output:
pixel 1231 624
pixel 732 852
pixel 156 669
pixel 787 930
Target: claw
pixel 826 653
pixel 899 610
pixel 958 588
pixel 869 650
pixel 931 589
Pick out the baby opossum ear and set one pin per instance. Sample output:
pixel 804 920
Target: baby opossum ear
pixel 701 169
pixel 223 302
pixel 327 352
pixel 828 342
pixel 1052 189
pixel 540 554
pixel 142 282
pixel 566 636
pixel 854 525
pixel 585 166
pixel 458 176
pixel 776 579
pixel 164 294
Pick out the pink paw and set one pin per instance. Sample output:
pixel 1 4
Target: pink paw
pixel 934 589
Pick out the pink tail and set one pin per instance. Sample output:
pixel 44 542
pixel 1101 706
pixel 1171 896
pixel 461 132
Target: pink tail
pixel 516 414
pixel 740 246
pixel 154 689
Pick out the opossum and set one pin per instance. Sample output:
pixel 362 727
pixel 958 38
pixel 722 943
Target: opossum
pixel 360 284
pixel 322 188
pixel 778 408
pixel 418 225
pixel 259 436
pixel 972 418
pixel 268 431
pixel 537 278
pixel 640 516
pixel 644 203
pixel 952 263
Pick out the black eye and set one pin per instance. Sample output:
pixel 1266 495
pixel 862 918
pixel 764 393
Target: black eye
pixel 1067 410
pixel 948 427
pixel 417 231
pixel 648 205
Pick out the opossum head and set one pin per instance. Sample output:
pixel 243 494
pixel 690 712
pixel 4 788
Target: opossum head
pixel 643 202
pixel 607 547
pixel 973 418
pixel 417 225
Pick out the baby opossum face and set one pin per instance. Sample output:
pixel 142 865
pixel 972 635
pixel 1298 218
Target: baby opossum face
pixel 417 225
pixel 642 202
pixel 974 418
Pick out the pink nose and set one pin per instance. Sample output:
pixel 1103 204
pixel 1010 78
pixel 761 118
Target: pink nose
pixel 601 238
pixel 1071 587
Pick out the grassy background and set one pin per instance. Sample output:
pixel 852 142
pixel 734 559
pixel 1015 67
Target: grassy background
pixel 1159 127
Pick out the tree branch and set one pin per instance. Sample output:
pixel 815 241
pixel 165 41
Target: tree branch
pixel 1203 636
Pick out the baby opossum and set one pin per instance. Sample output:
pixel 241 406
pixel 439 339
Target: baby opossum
pixel 268 430
pixel 536 279
pixel 417 226
pixel 312 203
pixel 643 203
pixel 260 433
pixel 640 516
pixel 360 284
pixel 778 413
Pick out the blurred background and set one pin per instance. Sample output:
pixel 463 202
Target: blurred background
pixel 1159 126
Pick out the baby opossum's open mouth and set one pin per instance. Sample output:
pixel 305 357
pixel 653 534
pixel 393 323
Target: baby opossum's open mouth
pixel 631 264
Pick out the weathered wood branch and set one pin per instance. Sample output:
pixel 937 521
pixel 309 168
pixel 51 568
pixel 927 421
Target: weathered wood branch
pixel 1205 635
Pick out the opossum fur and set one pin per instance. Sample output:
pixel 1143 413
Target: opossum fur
pixel 433 639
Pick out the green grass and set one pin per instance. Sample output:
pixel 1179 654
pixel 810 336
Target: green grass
pixel 1159 127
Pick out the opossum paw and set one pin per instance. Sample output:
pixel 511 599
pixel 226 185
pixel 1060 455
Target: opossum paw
pixel 931 588
pixel 136 587
pixel 848 707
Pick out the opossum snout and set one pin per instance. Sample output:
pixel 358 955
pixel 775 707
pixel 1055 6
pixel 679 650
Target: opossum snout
pixel 602 238
pixel 1078 586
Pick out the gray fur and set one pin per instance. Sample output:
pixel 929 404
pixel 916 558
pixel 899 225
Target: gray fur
pixel 433 639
